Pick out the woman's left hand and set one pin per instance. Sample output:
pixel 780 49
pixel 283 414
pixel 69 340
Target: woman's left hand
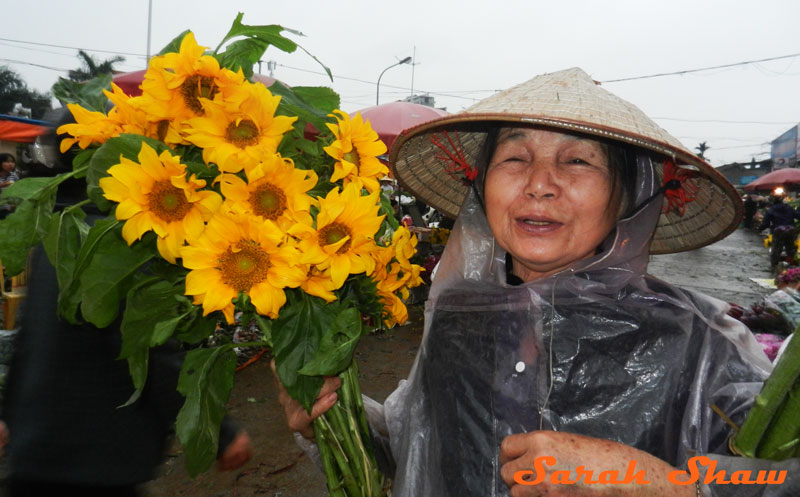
pixel 567 452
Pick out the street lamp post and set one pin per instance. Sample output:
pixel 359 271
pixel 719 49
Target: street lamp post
pixel 378 89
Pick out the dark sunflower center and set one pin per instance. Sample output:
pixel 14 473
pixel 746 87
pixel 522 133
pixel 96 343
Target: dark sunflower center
pixel 243 134
pixel 167 202
pixel 244 267
pixel 334 232
pixel 268 201
pixel 194 87
pixel 352 157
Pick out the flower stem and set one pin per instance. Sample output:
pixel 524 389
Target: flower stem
pixel 769 400
pixel 345 444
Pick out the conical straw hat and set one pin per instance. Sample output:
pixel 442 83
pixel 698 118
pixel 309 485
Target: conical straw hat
pixel 430 160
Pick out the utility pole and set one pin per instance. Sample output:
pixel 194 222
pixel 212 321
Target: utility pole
pixel 149 30
pixel 413 63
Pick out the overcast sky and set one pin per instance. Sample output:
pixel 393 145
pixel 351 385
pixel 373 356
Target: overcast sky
pixel 467 49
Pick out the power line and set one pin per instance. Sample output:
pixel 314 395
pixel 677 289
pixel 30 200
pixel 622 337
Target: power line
pixel 687 71
pixel 374 83
pixel 39 50
pixel 739 146
pixel 74 48
pixel 32 64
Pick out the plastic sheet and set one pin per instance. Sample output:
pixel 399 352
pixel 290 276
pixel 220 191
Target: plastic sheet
pixel 601 349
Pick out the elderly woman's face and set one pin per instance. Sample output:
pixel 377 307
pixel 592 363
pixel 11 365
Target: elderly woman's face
pixel 548 199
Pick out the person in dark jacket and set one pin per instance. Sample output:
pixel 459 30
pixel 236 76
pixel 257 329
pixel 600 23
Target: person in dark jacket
pixel 750 207
pixel 780 219
pixel 67 432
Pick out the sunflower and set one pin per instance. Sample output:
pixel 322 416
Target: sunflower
pixel 396 277
pixel 343 239
pixel 394 309
pixel 185 77
pixel 154 194
pixel 130 117
pixel 274 190
pixel 320 284
pixel 394 287
pixel 356 150
pixel 240 254
pixel 90 127
pixel 240 131
pixel 175 83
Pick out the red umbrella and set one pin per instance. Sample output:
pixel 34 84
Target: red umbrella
pixel 130 82
pixel 389 120
pixel 781 177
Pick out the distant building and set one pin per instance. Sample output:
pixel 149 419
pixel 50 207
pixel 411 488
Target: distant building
pixel 785 149
pixel 740 174
pixel 427 100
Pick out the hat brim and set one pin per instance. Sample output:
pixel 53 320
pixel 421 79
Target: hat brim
pixel 714 211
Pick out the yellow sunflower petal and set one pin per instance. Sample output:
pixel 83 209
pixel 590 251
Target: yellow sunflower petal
pixel 267 299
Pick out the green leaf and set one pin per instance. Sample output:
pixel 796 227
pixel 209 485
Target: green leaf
pixel 360 291
pixel 269 34
pixel 296 335
pixel 206 381
pixel 69 298
pixel 174 46
pixel 149 300
pixel 336 346
pixel 126 145
pixel 30 188
pixel 324 67
pixel 242 54
pixel 201 170
pixel 388 211
pixel 292 104
pixel 320 97
pixel 198 329
pixel 66 234
pixel 163 330
pixel 108 276
pixel 21 230
pixel 81 162
pixel 88 95
pixel 265 325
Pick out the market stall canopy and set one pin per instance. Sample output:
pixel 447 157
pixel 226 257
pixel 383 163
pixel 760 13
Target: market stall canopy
pixel 388 120
pixel 20 129
pixel 130 82
pixel 781 177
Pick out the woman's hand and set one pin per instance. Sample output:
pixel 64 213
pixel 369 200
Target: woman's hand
pixel 297 417
pixel 568 451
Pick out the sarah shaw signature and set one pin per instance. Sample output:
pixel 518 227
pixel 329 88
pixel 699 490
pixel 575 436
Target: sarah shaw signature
pixel 678 477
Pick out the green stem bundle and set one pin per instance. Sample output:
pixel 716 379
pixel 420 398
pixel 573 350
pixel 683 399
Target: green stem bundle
pixel 772 427
pixel 345 444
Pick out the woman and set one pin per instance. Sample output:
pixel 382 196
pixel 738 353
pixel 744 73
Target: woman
pixel 544 335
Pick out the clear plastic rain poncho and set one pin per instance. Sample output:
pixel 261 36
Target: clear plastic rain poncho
pixel 601 349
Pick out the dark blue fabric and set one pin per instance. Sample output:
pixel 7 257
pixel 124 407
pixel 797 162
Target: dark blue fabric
pixel 779 215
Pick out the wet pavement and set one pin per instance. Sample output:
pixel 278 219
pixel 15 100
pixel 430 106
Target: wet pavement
pixel 722 270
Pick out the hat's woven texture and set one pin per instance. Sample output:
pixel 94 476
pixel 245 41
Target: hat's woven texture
pixel 430 160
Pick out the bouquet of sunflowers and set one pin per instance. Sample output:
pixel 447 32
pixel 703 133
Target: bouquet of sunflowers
pixel 227 201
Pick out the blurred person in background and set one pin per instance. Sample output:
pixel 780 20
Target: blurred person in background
pixel 780 219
